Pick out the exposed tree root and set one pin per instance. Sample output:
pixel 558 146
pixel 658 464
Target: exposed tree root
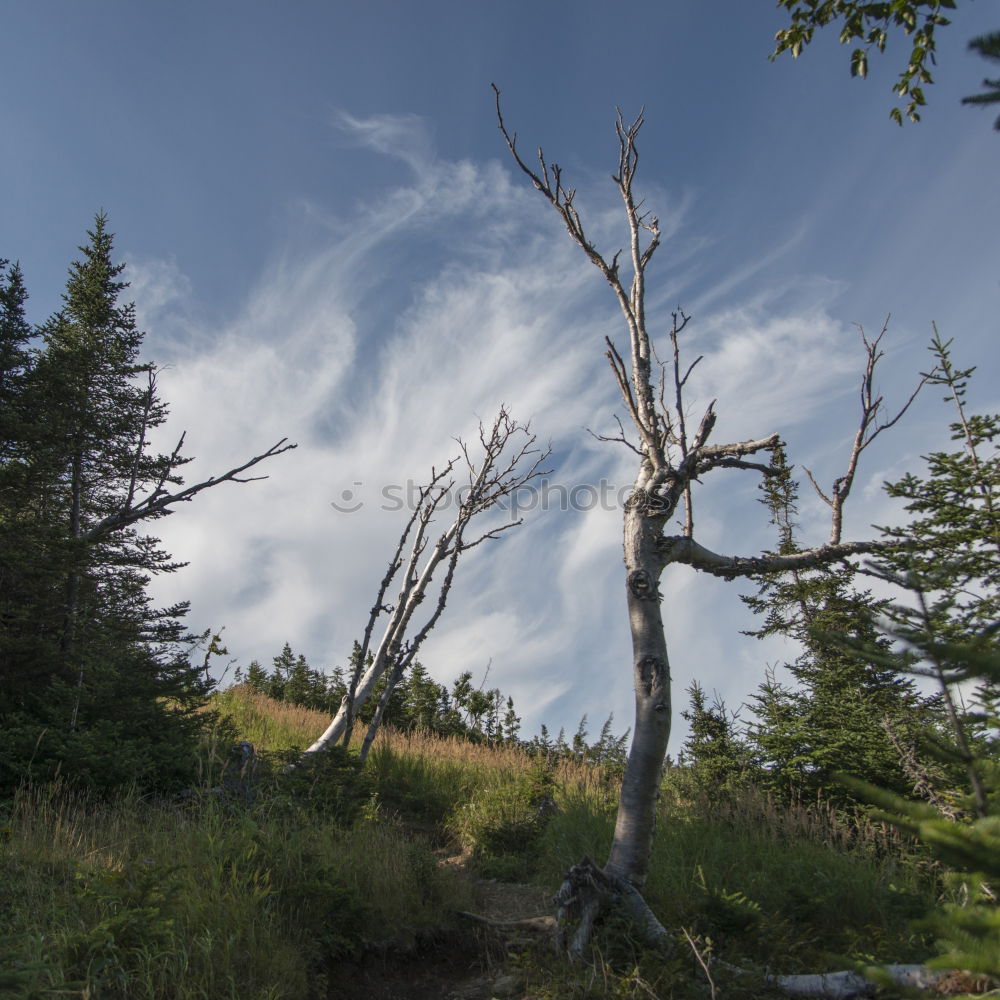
pixel 587 890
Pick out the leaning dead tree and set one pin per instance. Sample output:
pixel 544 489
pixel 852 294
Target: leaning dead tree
pixel 672 456
pixel 507 459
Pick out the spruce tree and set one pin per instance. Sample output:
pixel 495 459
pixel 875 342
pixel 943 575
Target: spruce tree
pixel 715 750
pixel 15 368
pixel 952 539
pixel 423 701
pixel 950 559
pixel 99 686
pixel 842 713
pixel 18 534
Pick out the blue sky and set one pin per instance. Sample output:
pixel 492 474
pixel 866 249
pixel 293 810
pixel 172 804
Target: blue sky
pixel 326 241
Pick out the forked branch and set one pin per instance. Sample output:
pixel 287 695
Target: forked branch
pixel 870 426
pixel 159 502
pixel 509 460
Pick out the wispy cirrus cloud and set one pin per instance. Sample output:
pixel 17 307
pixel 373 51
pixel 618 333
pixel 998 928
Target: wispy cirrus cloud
pixel 503 310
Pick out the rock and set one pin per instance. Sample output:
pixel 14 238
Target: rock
pixel 508 985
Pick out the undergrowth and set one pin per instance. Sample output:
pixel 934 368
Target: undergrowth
pixel 258 882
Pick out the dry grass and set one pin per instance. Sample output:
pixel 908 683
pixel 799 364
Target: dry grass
pixel 212 901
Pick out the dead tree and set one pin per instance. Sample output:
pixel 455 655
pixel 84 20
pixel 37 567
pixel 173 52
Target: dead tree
pixel 672 456
pixel 508 460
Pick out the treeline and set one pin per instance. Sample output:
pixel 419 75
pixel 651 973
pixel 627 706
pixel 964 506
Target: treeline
pixel 419 703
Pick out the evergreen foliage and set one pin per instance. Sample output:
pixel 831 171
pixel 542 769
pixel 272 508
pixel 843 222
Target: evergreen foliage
pixel 417 702
pixel 960 827
pixel 842 713
pixel 947 622
pixel 988 46
pixel 952 539
pixel 97 684
pixel 716 750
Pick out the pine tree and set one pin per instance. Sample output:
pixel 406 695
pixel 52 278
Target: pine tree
pixel 714 750
pixel 541 745
pixel 833 719
pixel 951 557
pixel 99 685
pixel 511 724
pixel 15 367
pixel 423 701
pixel 257 677
pixel 965 834
pixel 101 404
pixel 610 751
pixel 953 535
pixel 24 586
pixel 282 667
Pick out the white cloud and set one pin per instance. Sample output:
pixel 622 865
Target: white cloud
pixel 506 311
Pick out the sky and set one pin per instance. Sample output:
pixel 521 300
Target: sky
pixel 327 242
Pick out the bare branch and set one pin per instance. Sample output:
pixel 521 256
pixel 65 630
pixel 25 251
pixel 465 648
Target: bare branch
pixel 559 197
pixel 710 455
pixel 704 429
pixel 815 486
pixel 631 301
pixel 509 459
pixel 140 448
pixel 701 961
pixel 624 387
pixel 492 533
pixel 678 548
pixel 619 439
pixel 158 503
pixel 736 463
pixel 870 426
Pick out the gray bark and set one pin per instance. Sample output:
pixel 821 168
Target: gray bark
pixel 509 460
pixel 636 820
pixel 671 460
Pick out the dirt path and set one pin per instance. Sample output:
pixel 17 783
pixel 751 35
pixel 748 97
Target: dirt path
pixel 470 964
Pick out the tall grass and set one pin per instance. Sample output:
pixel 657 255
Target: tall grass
pixel 794 885
pixel 266 723
pixel 140 899
pixel 798 887
pixel 217 899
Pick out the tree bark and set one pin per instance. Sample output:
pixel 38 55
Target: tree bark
pixel 509 461
pixel 671 460
pixel 636 820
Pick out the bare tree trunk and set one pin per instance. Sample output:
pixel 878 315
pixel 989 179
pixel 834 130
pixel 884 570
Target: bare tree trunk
pixel 671 460
pixel 636 821
pixel 395 675
pixel 509 460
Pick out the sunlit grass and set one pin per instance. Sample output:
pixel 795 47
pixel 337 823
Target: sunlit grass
pixel 229 900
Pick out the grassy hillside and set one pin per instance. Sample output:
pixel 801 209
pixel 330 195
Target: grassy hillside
pixel 291 885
